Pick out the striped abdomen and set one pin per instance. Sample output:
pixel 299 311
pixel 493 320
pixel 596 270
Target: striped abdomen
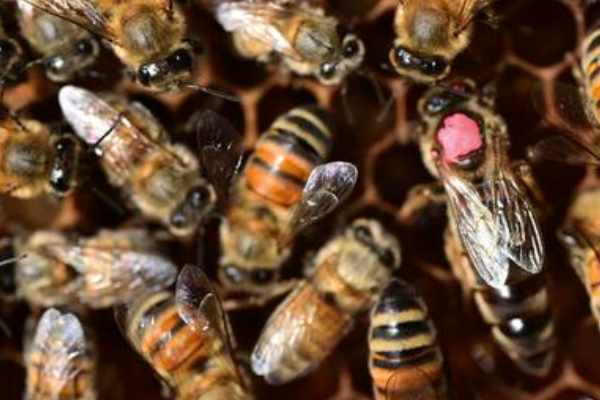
pixel 287 153
pixel 591 68
pixel 405 359
pixel 307 326
pixel 45 384
pixel 177 351
pixel 519 313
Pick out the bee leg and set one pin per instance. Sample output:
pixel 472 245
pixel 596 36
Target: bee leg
pixel 420 198
pixel 258 301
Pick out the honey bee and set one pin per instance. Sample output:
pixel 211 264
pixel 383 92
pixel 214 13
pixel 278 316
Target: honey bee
pixel 405 359
pixel 36 161
pixel 163 179
pixel 66 48
pixel 12 56
pixel 581 235
pixel 147 35
pixel 299 34
pixel 186 339
pixel 430 34
pixel 281 191
pixel 349 272
pixel 59 361
pixel 99 271
pixel 493 241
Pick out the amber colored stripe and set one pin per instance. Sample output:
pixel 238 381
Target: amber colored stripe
pixel 273 185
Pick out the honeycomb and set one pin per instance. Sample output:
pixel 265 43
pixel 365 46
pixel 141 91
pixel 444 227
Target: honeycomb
pixel 535 42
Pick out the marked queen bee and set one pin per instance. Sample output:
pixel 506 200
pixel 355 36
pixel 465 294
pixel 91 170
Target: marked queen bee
pixel 98 272
pixel 430 34
pixel 162 179
pixel 66 48
pixel 147 35
pixel 186 339
pixel 59 360
pixel 349 272
pixel 283 189
pixel 35 161
pixel 493 240
pixel 305 39
pixel 406 362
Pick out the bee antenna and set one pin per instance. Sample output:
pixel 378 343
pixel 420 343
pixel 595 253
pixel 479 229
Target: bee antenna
pixel 346 105
pixel 110 202
pixel 108 132
pixel 371 77
pixel 213 92
pixel 13 260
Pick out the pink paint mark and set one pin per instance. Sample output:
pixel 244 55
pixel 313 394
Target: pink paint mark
pixel 459 136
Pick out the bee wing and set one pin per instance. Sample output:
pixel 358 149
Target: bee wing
pixel 327 187
pixel 568 110
pixel 411 384
pixel 264 22
pixel 57 344
pixel 513 212
pixel 99 124
pixel 220 148
pixel 84 13
pixel 285 331
pixel 477 228
pixel 115 274
pixel 199 304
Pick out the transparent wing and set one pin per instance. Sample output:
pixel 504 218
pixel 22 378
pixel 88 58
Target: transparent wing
pixel 327 187
pixel 84 13
pixel 411 384
pixel 115 275
pixel 265 21
pixel 566 108
pixel 220 148
pixel 513 213
pixel 289 327
pixel 477 228
pixel 57 345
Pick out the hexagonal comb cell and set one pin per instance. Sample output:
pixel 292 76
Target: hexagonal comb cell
pixel 524 52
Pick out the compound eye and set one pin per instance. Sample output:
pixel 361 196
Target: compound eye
pixel 181 60
pixel 263 276
pixel 179 220
pixel 234 274
pixel 84 47
pixel 363 234
pixel 147 72
pixel 328 70
pixel 7 49
pixel 387 258
pixel 433 66
pixel 403 57
pixel 351 48
pixel 199 197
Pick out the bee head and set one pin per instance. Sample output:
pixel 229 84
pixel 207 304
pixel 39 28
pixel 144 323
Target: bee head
pixel 374 237
pixel 423 68
pixel 351 55
pixel 66 65
pixel 168 73
pixel 186 217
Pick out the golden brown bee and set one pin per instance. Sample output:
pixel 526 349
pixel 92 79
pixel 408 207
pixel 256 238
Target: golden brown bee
pixel 305 39
pixel 147 35
pixel 34 161
pixel 98 272
pixel 66 48
pixel 493 241
pixel 186 339
pixel 430 34
pixel 349 272
pixel 406 362
pixel 59 361
pixel 12 56
pixel 162 179
pixel 581 237
pixel 282 190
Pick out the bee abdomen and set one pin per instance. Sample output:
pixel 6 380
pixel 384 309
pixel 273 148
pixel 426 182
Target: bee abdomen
pixel 287 153
pixel 522 323
pixel 591 67
pixel 403 345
